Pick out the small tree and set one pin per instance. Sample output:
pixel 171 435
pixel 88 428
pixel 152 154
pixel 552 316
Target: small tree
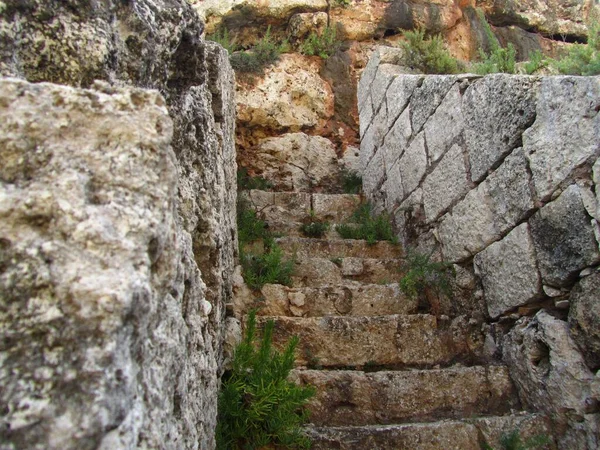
pixel 427 55
pixel 258 406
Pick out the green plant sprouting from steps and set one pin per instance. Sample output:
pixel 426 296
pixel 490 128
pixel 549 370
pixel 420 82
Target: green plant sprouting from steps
pixel 323 45
pixel 257 405
pixel 368 226
pixel 266 266
pixel 351 182
pixel 513 441
pixel 247 182
pixel 422 273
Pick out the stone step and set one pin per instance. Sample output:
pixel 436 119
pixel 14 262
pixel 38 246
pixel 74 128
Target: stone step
pixel 466 434
pixel 315 272
pixel 346 397
pixel 393 341
pixel 278 208
pixel 304 248
pixel 349 299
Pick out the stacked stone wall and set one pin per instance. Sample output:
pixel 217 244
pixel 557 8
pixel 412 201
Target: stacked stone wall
pixel 500 176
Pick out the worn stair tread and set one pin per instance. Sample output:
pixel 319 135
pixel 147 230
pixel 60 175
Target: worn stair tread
pixel 283 207
pixel 316 271
pixel 338 248
pixel 348 299
pixel 347 397
pixel 464 434
pixel 418 340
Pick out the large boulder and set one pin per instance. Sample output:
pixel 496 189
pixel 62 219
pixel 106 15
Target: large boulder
pixel 166 396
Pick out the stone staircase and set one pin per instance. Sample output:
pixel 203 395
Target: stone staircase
pixel 387 375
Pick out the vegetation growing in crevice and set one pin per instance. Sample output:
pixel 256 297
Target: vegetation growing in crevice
pixel 513 441
pixel 247 182
pixel 323 45
pixel 582 59
pixel 499 59
pixel 536 62
pixel 351 181
pixel 257 405
pixel 221 36
pixel 363 224
pixel 423 274
pixel 429 56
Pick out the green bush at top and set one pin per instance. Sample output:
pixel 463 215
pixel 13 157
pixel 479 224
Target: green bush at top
pixel 513 441
pixel 324 45
pixel 583 59
pixel 429 56
pixel 263 54
pixel 499 59
pixel 364 225
pixel 421 273
pixel 257 405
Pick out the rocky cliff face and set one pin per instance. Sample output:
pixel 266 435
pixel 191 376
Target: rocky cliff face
pixel 498 176
pixel 322 92
pixel 118 224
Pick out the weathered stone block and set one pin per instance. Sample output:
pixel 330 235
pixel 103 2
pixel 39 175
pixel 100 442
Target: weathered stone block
pixel 428 97
pixel 373 175
pixel 365 117
pixel 394 192
pixel 497 109
pixel 397 139
pixel 446 124
pixel 564 238
pixel 446 184
pixel 373 137
pixel 386 73
pixel 366 80
pixel 548 369
pixel 566 133
pixel 509 272
pixel 584 318
pixel 413 164
pixel 398 95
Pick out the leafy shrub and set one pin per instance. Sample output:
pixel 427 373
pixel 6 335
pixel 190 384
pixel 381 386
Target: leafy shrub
pixel 257 405
pixel 263 54
pixel 422 273
pixel 427 55
pixel 247 182
pixel 583 59
pixel 351 182
pixel 250 227
pixel 323 45
pixel 315 229
pixel 499 59
pixel 535 63
pixel 267 268
pixel 343 3
pixel 221 36
pixel 363 225
pixel 513 441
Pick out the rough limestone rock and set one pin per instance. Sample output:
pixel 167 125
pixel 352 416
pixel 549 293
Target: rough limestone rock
pixel 566 133
pixel 156 44
pixel 90 250
pixel 564 239
pixel 509 272
pixel 584 319
pixel 497 109
pixel 295 161
pixel 552 377
pixel 301 25
pixel 291 97
pixel 555 17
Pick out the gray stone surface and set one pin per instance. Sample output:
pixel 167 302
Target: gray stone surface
pixel 584 318
pixel 366 80
pixel 386 73
pixel 564 238
pixel 396 140
pixel 365 117
pixel 445 125
pixel 469 228
pixel 374 175
pixel 373 137
pixel 509 272
pixel 552 377
pixel 566 133
pixel 497 109
pixel 151 44
pixel 394 191
pixel 413 164
pixel 428 97
pixel 446 184
pixel 398 95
